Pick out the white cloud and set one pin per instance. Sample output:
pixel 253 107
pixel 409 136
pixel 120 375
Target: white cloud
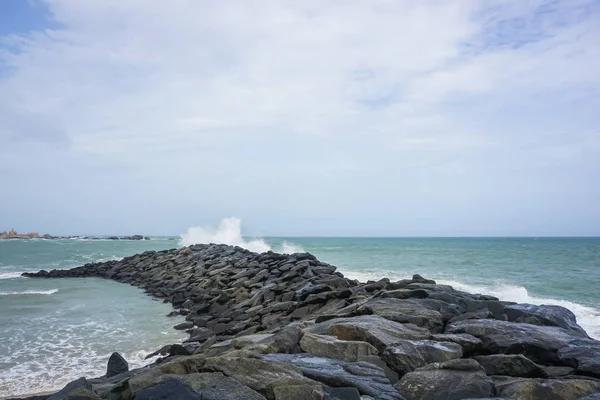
pixel 222 89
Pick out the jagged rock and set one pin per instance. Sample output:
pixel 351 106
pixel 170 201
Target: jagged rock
pixel 366 377
pixel 216 386
pixel 169 389
pixel 547 389
pixel 259 375
pixel 451 380
pixel 544 315
pixel 297 392
pixel 469 343
pixel 538 343
pixel 343 393
pixel 510 365
pixel 583 355
pixel 184 325
pixel 116 365
pixel 373 329
pixel 80 387
pixel 331 347
pixel 408 355
pixel 404 311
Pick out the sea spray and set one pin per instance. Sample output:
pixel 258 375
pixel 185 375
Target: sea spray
pixel 230 232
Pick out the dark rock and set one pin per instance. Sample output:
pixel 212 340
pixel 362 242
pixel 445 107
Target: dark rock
pixel 309 289
pixel 469 343
pixel 72 389
pixel 594 396
pixel 406 294
pixel 544 315
pixel 200 335
pixel 169 389
pixel 408 355
pixel 116 365
pixel 404 311
pixel 373 329
pixel 510 365
pixel 343 393
pixel 451 380
pixel 216 386
pixel 331 347
pixel 366 377
pixel 547 389
pixel 538 343
pixel 583 355
pixel 183 326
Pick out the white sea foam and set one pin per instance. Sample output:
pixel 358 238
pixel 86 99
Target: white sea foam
pixel 10 275
pixel 588 317
pixel 230 232
pixel 30 292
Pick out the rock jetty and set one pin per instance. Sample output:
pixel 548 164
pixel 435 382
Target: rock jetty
pixel 289 327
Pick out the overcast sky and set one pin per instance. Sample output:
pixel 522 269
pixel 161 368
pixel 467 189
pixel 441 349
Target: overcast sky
pixel 353 117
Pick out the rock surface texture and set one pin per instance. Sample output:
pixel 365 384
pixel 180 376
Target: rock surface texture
pixel 289 327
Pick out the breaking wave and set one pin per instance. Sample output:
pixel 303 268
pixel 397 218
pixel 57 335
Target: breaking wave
pixel 30 292
pixel 230 232
pixel 10 275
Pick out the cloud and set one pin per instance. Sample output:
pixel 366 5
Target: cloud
pixel 210 99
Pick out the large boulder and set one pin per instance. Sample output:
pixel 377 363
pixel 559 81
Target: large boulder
pixel 331 347
pixel 469 343
pixel 259 375
pixel 510 365
pixel 538 343
pixel 404 311
pixel 216 386
pixel 116 365
pixel 376 330
pixel 368 378
pixel 451 380
pixel 547 389
pixel 408 355
pixel 169 389
pixel 583 355
pixel 548 315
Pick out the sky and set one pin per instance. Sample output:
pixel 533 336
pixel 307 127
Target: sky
pixel 311 118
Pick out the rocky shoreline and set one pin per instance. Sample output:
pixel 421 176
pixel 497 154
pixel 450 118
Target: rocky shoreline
pixel 289 327
pixel 12 234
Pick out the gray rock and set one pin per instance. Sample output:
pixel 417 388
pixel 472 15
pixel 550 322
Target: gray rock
pixel 544 315
pixel 259 375
pixel 452 380
pixel 583 355
pixel 366 377
pixel 297 392
pixel 216 386
pixel 469 343
pixel 183 326
pixel 331 347
pixel 404 311
pixel 510 365
pixel 344 393
pixel 169 389
pixel 78 387
pixel 594 396
pixel 116 365
pixel 547 389
pixel 408 355
pixel 373 329
pixel 538 343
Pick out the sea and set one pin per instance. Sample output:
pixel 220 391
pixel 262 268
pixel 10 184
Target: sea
pixel 55 331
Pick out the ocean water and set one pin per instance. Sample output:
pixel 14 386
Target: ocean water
pixel 54 331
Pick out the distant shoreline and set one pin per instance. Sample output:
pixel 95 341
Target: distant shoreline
pixel 13 235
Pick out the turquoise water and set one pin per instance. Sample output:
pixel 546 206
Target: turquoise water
pixel 53 331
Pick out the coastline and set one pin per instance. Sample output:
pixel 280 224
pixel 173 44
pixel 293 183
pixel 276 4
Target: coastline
pixel 228 293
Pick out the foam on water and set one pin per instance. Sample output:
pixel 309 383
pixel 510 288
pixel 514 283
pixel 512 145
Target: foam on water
pixel 10 275
pixel 588 317
pixel 29 293
pixel 230 232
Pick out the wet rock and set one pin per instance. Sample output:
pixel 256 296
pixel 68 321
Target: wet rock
pixel 169 389
pixel 259 375
pixel 366 377
pixel 583 355
pixel 343 393
pixel 510 365
pixel 404 311
pixel 544 315
pixel 470 344
pixel 538 343
pixel 408 355
pixel 183 326
pixel 116 365
pixel 331 347
pixel 547 389
pixel 451 380
pixel 373 329
pixel 72 389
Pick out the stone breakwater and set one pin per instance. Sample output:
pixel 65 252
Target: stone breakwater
pixel 289 327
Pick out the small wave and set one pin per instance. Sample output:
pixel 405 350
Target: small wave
pixel 30 292
pixel 588 317
pixel 230 232
pixel 10 275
